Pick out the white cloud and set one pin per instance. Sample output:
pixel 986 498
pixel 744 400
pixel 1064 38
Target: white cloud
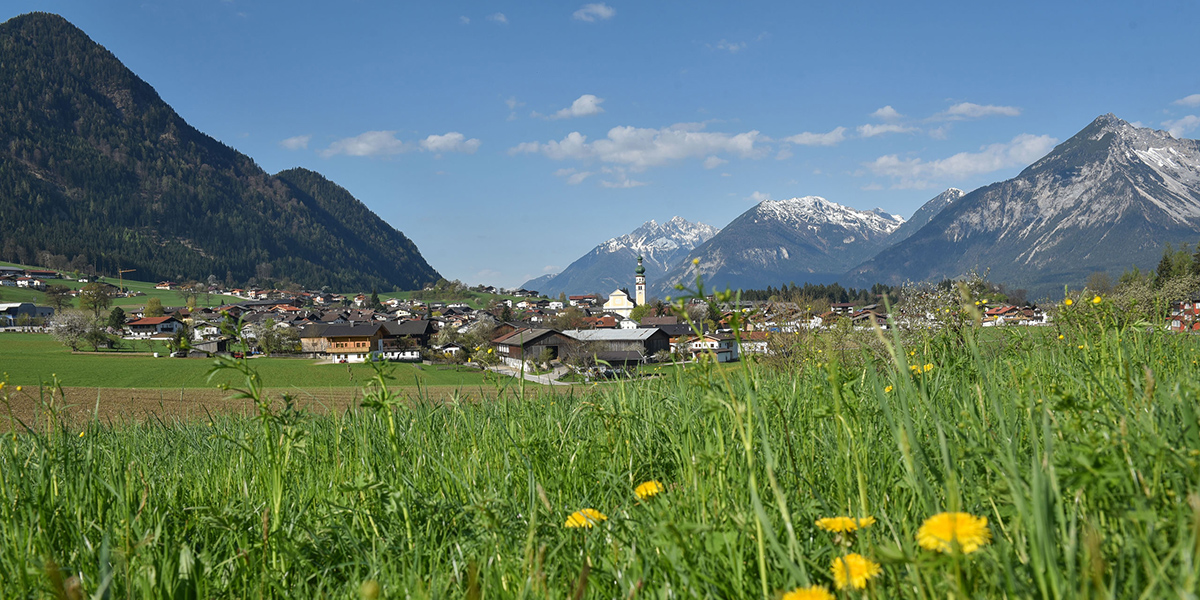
pixel 639 148
pixel 939 133
pixel 573 176
pixel 620 179
pixel 513 104
pixel 732 47
pixel 299 142
pixel 371 143
pixel 970 110
pixel 583 106
pixel 450 142
pixel 784 153
pixel 591 13
pixel 872 187
pixel 713 162
pixel 1180 127
pixel 1193 100
pixel 807 138
pixel 886 113
pixel 546 270
pixel 872 130
pixel 757 197
pixel 498 18
pixel 464 20
pixel 917 173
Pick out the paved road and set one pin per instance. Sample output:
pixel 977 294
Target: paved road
pixel 550 378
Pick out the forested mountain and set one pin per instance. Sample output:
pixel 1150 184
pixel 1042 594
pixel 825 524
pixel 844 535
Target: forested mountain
pixel 94 164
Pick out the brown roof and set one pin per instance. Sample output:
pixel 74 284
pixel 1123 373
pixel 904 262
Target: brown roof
pixel 151 320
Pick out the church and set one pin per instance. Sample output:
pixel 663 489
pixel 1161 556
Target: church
pixel 619 302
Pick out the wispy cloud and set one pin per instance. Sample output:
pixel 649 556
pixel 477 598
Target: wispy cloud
pixel 830 138
pixel 731 47
pixel 917 173
pixel 591 13
pixel 871 130
pixel 640 148
pixel 573 177
pixel 583 106
pixel 713 162
pixel 371 143
pixel 299 142
pixel 619 178
pixel 1193 100
pixel 465 20
pixel 498 18
pixel 970 110
pixel 1180 127
pixel 757 197
pixel 513 104
pixel 385 143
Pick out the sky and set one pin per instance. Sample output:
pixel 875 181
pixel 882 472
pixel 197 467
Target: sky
pixel 508 138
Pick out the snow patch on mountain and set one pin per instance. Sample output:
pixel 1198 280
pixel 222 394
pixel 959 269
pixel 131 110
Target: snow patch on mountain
pixel 811 212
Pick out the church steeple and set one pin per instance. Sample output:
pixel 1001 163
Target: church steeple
pixel 640 283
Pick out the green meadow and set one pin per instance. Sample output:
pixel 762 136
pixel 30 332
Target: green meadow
pixel 1067 467
pixel 33 359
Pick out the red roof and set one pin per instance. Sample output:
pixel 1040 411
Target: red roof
pixel 151 320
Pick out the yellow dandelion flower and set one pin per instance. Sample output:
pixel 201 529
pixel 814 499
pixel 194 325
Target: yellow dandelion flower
pixel 813 592
pixel 976 303
pixel 940 531
pixel 2 384
pixel 843 524
pixel 648 489
pixel 887 390
pixel 18 388
pixel 1068 302
pixel 1081 346
pixel 695 261
pixel 1097 300
pixel 1060 336
pixel 853 570
pixel 928 367
pixel 81 433
pixel 587 517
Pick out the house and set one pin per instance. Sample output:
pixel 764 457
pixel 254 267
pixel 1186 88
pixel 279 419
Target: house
pixel 10 312
pixel 149 326
pixel 1185 314
pixel 721 345
pixel 42 274
pixel 31 282
pixel 166 285
pixel 524 344
pixel 619 303
pixel 646 340
pixel 584 300
pixel 352 342
pixel 417 332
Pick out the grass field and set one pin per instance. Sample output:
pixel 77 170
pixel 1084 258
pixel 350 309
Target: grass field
pixel 1074 462
pixel 30 359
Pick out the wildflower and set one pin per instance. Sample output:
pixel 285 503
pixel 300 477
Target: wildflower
pixel 1097 300
pixel 587 517
pixel 842 524
pixel 1081 346
pixel 853 570
pixel 928 367
pixel 81 433
pixel 887 390
pixel 695 261
pixel 1068 302
pixel 18 388
pixel 941 530
pixel 648 489
pixel 1060 336
pixel 812 592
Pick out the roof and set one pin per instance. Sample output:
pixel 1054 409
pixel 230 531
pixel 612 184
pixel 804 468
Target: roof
pixel 151 320
pixel 352 330
pixel 523 336
pixel 415 327
pixel 612 335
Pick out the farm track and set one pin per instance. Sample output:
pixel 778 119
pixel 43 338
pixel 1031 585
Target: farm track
pixel 118 406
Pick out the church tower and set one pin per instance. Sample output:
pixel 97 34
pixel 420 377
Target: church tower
pixel 640 281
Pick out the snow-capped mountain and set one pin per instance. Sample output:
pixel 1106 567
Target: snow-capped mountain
pixel 1107 199
pixel 780 241
pixel 610 265
pixel 926 213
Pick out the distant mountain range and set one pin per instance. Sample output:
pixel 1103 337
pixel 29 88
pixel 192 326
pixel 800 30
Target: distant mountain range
pixel 610 265
pixel 95 166
pixel 1108 199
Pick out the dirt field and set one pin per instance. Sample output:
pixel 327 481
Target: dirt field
pixel 120 405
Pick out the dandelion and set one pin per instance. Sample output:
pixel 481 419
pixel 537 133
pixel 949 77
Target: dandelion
pixel 587 517
pixel 928 367
pixel 1081 346
pixel 940 531
pixel 1060 336
pixel 1097 300
pixel 648 489
pixel 813 592
pixel 843 524
pixel 81 433
pixel 18 388
pixel 853 570
pixel 887 390
pixel 1068 302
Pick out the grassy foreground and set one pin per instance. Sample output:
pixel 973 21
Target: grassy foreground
pixel 1082 453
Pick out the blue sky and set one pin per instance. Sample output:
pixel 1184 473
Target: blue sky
pixel 509 138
